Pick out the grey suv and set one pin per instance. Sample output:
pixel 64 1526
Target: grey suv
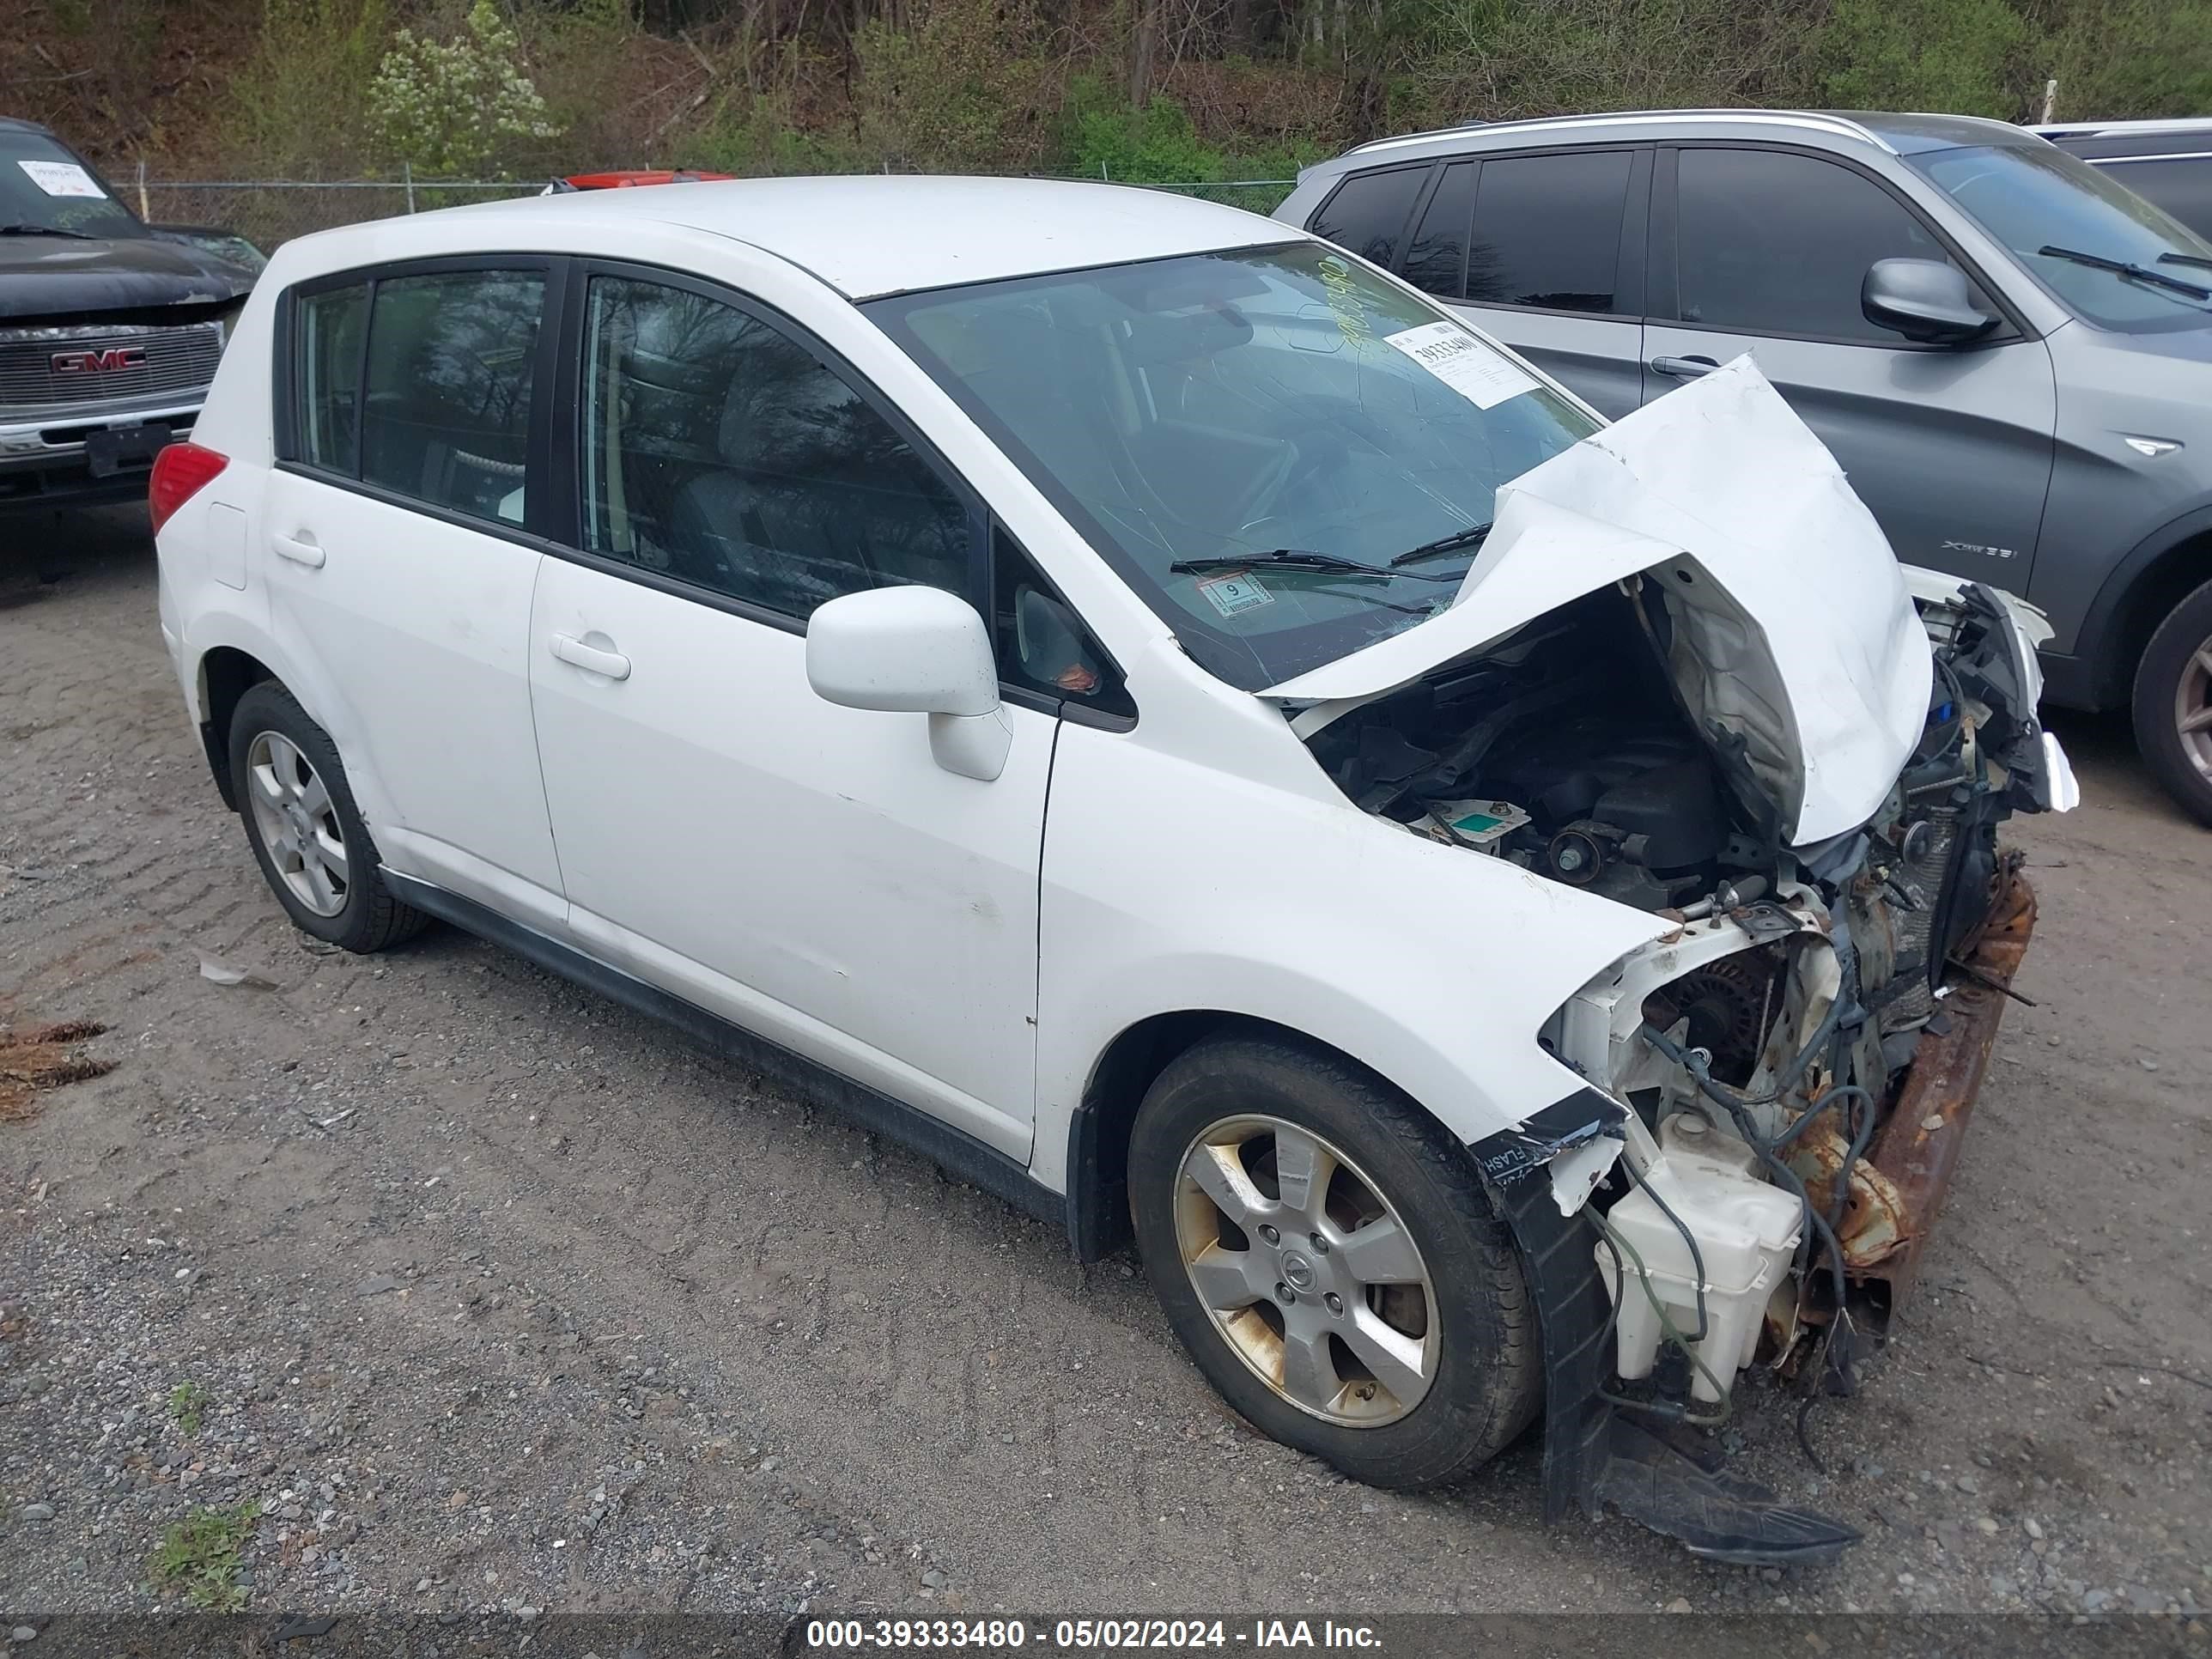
pixel 2010 353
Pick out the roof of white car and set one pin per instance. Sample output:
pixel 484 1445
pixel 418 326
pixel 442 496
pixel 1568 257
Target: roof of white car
pixel 872 234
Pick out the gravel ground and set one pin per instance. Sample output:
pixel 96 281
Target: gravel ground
pixel 495 1295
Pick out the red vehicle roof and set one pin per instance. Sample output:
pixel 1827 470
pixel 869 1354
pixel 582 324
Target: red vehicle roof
pixel 623 179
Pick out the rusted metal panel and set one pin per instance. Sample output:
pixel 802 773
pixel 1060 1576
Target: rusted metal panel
pixel 1874 1222
pixel 1917 1150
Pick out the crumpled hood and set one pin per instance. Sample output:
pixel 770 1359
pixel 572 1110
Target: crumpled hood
pixel 60 277
pixel 1794 635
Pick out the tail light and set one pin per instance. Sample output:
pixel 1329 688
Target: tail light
pixel 180 472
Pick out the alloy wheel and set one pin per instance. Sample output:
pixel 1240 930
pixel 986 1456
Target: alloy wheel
pixel 1309 1272
pixel 299 825
pixel 2192 709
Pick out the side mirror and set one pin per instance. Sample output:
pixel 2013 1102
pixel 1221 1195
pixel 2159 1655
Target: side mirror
pixel 915 651
pixel 1925 301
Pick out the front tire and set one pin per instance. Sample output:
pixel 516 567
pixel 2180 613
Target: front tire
pixel 2173 704
pixel 1331 1262
pixel 305 829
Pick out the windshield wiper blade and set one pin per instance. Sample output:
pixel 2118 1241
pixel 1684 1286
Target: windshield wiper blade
pixel 1473 536
pixel 1294 558
pixel 2126 268
pixel 44 230
pixel 2197 259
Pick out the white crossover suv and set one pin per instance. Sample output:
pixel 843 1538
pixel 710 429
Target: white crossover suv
pixel 1148 708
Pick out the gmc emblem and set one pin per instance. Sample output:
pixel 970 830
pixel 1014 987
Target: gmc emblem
pixel 97 362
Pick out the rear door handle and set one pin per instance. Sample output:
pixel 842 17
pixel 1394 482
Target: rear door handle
pixel 302 549
pixel 1683 368
pixel 570 650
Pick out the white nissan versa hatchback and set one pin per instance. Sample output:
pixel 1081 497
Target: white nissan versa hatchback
pixel 1155 713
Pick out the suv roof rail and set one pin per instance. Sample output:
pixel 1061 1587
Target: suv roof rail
pixel 2097 129
pixel 1843 126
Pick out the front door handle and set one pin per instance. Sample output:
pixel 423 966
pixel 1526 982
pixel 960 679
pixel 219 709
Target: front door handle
pixel 1683 368
pixel 302 549
pixel 570 650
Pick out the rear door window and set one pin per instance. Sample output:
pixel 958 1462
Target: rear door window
pixel 1368 211
pixel 445 415
pixel 1547 232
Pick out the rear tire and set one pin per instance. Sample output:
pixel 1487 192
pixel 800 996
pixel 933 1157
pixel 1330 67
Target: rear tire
pixel 1402 1367
pixel 305 830
pixel 2173 686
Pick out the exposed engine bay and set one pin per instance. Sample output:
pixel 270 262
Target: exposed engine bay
pixel 1761 1047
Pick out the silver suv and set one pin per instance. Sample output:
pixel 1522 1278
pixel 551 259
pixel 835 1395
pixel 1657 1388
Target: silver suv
pixel 2009 353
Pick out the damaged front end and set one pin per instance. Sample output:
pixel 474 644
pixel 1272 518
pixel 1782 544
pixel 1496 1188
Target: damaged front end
pixel 1718 699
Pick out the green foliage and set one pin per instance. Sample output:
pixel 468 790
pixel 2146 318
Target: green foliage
pixel 758 135
pixel 1960 56
pixel 296 108
pixel 352 88
pixel 1105 139
pixel 2133 57
pixel 457 107
pixel 1464 60
pixel 186 1400
pixel 952 91
pixel 199 1556
pixel 1101 136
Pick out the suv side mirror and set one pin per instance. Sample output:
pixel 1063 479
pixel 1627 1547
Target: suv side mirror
pixel 915 651
pixel 1924 300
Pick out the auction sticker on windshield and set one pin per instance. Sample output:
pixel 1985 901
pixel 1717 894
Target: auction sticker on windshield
pixel 1236 593
pixel 1484 377
pixel 61 178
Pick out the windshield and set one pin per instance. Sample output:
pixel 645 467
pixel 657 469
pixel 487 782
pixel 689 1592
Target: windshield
pixel 1231 430
pixel 44 187
pixel 2032 197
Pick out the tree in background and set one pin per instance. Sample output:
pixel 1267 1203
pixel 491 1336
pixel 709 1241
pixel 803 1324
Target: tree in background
pixel 1144 90
pixel 454 107
pixel 1960 56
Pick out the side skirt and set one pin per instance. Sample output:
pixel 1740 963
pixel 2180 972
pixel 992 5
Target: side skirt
pixel 881 1114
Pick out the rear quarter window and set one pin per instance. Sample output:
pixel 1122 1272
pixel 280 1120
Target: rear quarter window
pixel 1368 212
pixel 328 337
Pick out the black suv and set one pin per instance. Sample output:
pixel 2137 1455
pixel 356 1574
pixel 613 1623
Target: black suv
pixel 110 328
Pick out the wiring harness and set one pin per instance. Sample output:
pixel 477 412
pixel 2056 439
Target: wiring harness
pixel 1844 1015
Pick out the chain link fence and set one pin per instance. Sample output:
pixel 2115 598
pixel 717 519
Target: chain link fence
pixel 268 211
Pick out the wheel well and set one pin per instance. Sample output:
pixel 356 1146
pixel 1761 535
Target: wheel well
pixel 2176 573
pixel 1098 1136
pixel 226 674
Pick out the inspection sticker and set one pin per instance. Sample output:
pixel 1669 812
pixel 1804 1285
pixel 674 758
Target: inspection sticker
pixel 1484 377
pixel 1238 591
pixel 61 178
